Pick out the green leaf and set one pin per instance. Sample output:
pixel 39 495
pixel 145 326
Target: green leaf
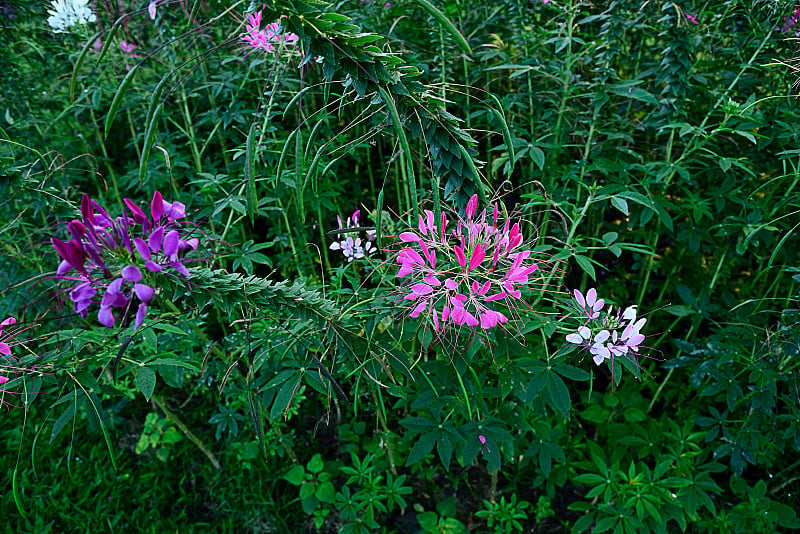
pixel 326 492
pixel 428 521
pixel 284 397
pixel 586 264
pixel 315 465
pixel 65 417
pixel 635 93
pixel 621 204
pixel 558 394
pixel 146 381
pixel 423 446
pixel 296 475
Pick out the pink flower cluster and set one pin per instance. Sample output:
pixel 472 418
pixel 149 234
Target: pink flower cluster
pixel 607 334
pixel 265 40
pixel 457 276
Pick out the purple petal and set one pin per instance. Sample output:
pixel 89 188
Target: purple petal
pixel 63 268
pixel 71 251
pixel 82 292
pixel 171 243
pixel 181 268
pixel 143 292
pixel 142 248
pixel 157 205
pixel 113 299
pixel 86 209
pixel 77 229
pixel 81 306
pixel 176 210
pixel 140 313
pixel 155 239
pixel 114 287
pixel 188 244
pixel 105 317
pixel 138 214
pixel 153 267
pixel 131 273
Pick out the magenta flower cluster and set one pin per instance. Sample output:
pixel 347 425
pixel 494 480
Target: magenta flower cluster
pixel 458 276
pixel 9 363
pixel 10 366
pixel 791 23
pixel 608 334
pixel 354 247
pixel 110 261
pixel 266 39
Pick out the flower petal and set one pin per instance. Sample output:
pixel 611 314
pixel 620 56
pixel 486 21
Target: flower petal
pixel 131 273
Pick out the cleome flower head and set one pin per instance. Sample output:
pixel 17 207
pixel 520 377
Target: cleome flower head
pixel 610 334
pixel 265 40
pixel 65 14
pixel 10 366
pixel 470 274
pixel 117 261
pixel 353 247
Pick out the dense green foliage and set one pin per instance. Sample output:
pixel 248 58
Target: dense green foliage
pixel 652 150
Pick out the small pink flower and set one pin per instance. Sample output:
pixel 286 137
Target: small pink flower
pixel 151 9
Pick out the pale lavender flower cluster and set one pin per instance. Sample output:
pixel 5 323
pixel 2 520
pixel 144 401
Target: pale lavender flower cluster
pixel 607 334
pixel 115 259
pixel 457 276
pixel 354 247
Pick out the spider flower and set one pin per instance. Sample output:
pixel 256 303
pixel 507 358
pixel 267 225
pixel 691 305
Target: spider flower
pixel 10 366
pixel 118 262
pixel 353 247
pixel 266 39
pixel 608 335
pixel 65 14
pixel 467 274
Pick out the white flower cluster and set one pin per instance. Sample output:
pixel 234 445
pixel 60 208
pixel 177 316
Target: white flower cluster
pixel 350 247
pixel 67 13
pixel 618 334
